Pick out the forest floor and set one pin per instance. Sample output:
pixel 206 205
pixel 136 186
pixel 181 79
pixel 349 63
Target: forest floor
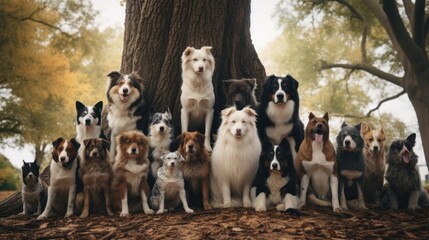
pixel 314 223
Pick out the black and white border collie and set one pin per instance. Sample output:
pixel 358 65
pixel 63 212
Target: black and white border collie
pixel 127 109
pixel 33 195
pixel 279 112
pixel 88 121
pixel 276 180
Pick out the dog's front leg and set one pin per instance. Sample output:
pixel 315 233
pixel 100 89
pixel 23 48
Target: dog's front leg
pixel 48 207
pixel 107 200
pixel 125 212
pixel 86 196
pixel 112 147
pixel 161 202
pixel 260 203
pixel 304 187
pixel 184 119
pixel 361 197
pixel 226 195
pixel 393 200
pixel 24 205
pixel 39 205
pixel 246 196
pixel 70 202
pixel 413 200
pixel 343 199
pixel 209 121
pixel 144 192
pixel 205 191
pixel 334 192
pixel 182 194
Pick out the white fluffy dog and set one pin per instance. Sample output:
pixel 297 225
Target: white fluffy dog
pixel 235 159
pixel 197 97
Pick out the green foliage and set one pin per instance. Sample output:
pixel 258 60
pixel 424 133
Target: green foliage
pixel 10 177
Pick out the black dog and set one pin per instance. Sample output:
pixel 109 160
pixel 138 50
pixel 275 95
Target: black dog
pixel 279 112
pixel 351 166
pixel 276 180
pixel 33 194
pixel 240 92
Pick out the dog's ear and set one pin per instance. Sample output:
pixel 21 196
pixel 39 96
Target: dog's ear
pixel 227 111
pixel 99 106
pixel 105 144
pixel 180 139
pixel 295 83
pixel 76 145
pixel 364 128
pixel 344 124
pixel 23 161
pixel 412 139
pixel 358 126
pixel 188 51
pixel 79 106
pixel 152 111
pixel 54 149
pixel 208 49
pixel 58 141
pixel 136 77
pixel 382 129
pixel 326 116
pixel 86 142
pixel 251 82
pixel 226 84
pixel 249 111
pixel 311 116
pixel 181 159
pixel 168 112
pixel 115 75
pixel 201 138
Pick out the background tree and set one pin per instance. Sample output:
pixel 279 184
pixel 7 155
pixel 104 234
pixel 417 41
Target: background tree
pixel 157 32
pixel 372 40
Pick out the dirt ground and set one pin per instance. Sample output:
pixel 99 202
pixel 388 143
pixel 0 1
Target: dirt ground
pixel 314 223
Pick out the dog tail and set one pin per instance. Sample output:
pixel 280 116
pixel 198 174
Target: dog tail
pixel 313 199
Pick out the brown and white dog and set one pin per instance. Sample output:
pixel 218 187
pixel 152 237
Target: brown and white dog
pixel 375 166
pixel 316 162
pixel 62 187
pixel 96 174
pixel 130 169
pixel 195 168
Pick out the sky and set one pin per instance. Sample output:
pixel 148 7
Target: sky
pixel 264 28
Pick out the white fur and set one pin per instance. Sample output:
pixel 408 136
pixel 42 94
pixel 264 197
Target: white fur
pixel 159 143
pixel 197 96
pixel 88 131
pixel 234 159
pixel 350 139
pixel 279 92
pixel 61 180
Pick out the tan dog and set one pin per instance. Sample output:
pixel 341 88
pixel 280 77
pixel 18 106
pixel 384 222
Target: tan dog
pixel 131 168
pixel 374 162
pixel 96 174
pixel 316 161
pixel 196 167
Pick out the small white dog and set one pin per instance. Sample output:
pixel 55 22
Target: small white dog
pixel 235 159
pixel 169 189
pixel 197 97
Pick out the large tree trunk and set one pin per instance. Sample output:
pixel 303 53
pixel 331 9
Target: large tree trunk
pixel 158 31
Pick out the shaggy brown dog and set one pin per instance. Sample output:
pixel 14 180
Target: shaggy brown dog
pixel 196 168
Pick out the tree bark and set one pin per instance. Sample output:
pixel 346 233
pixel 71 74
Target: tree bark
pixel 158 31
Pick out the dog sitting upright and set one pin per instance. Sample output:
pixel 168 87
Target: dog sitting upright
pixel 403 178
pixel 351 166
pixel 241 93
pixel 62 182
pixel 33 196
pixel 316 162
pixel 88 121
pixel 169 189
pixel 375 166
pixel 96 174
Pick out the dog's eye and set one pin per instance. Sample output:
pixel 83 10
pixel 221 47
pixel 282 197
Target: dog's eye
pixel 195 59
pixel 243 122
pixel 233 121
pixel 85 112
pixel 371 139
pixel 204 59
pixel 271 153
pixel 379 139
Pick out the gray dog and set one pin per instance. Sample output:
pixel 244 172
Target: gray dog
pixel 169 188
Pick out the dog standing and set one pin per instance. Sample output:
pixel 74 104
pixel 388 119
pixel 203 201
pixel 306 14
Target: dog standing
pixel 279 112
pixel 169 189
pixel 33 196
pixel 374 163
pixel 240 93
pixel 316 162
pixel 127 109
pixel 403 178
pixel 235 159
pixel 197 96
pixel 195 168
pixel 62 182
pixel 351 166
pixel 130 169
pixel 96 174
pixel 276 181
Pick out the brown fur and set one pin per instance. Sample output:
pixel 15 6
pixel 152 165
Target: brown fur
pixel 96 174
pixel 196 167
pixel 375 165
pixel 123 177
pixel 305 151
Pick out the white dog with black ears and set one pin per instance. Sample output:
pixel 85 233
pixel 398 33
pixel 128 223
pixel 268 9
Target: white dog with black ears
pixel 235 159
pixel 197 97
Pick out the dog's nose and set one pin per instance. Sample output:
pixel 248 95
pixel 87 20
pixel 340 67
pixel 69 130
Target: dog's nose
pixel 190 146
pixel 95 154
pixel 172 164
pixel 319 125
pixel 238 130
pixel 161 129
pixel 280 97
pixel 201 69
pixel 275 165
pixel 125 90
pixel 62 159
pixel 347 142
pixel 133 150
pixel 375 148
pixel 87 121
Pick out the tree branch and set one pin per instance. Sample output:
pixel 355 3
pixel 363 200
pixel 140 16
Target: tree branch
pixel 413 52
pixel 368 114
pixel 409 10
pixel 367 68
pixel 418 25
pixel 10 125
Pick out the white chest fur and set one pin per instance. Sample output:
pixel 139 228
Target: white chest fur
pixel 121 120
pixel 280 115
pixel 274 183
pixel 137 172
pixel 61 177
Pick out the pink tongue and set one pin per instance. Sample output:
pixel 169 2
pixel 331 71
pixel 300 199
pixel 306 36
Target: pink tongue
pixel 406 157
pixel 319 137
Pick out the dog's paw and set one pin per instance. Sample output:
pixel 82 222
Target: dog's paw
pixel 84 214
pixel 124 214
pixel 68 215
pixel 362 207
pixel 227 205
pixel 247 203
pixel 338 210
pixel 208 147
pixel 160 211
pixel 189 210
pixel 293 212
pixel 280 207
pixel 42 217
pixel 148 211
pixel 207 206
pixel 109 212
pixel 260 208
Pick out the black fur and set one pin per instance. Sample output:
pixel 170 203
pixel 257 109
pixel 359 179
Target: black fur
pixel 350 159
pixel 30 167
pixel 290 87
pixel 240 93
